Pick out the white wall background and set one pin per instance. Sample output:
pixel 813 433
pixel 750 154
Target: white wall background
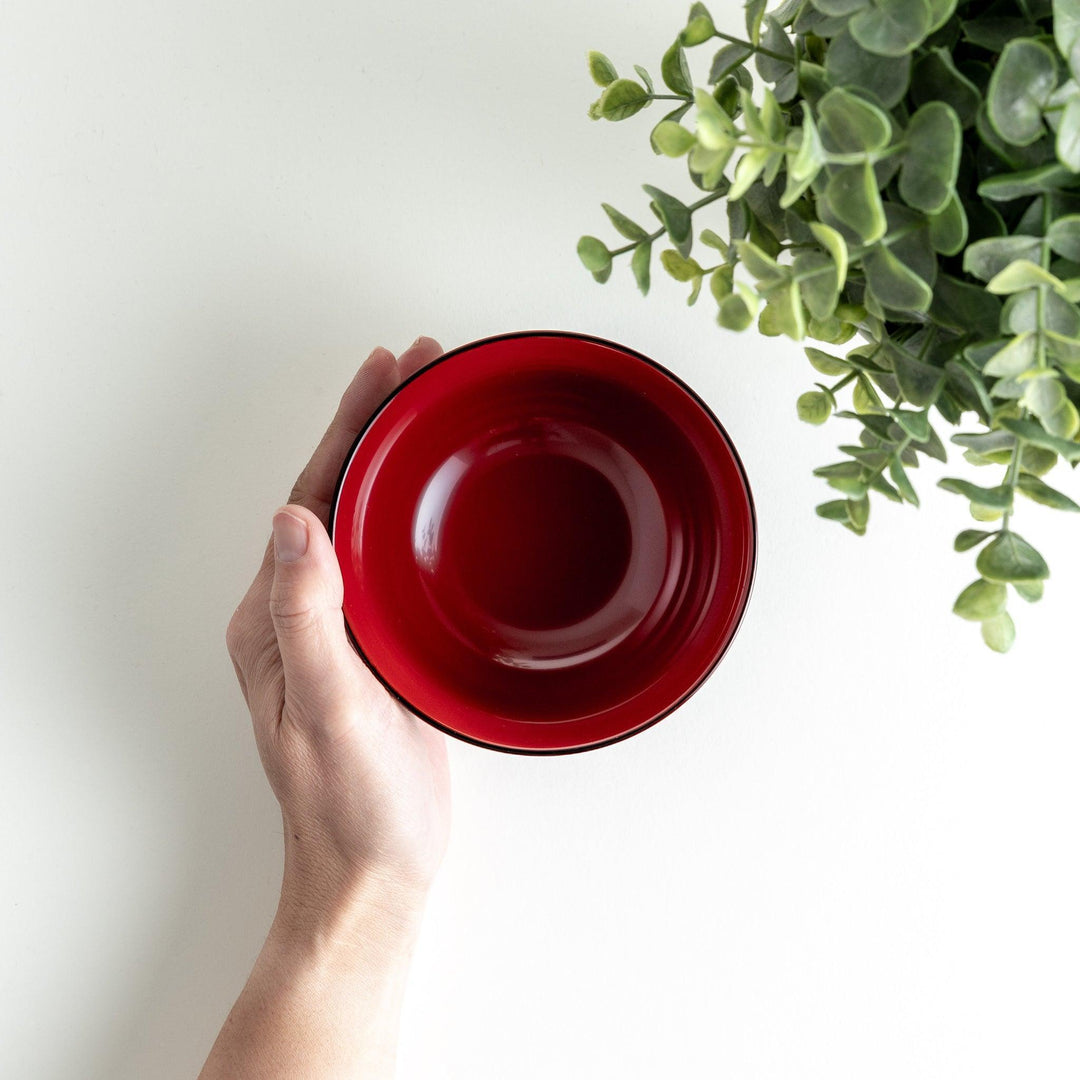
pixel 852 854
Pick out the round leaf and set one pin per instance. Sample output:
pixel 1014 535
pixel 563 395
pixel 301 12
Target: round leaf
pixel 940 13
pixel 892 27
pixel 1067 139
pixel 995 498
pixel 864 397
pixel 700 26
pixel 984 513
pixel 986 258
pixel 1040 492
pixel 850 124
pixel 715 130
pixel 721 283
pixel 1019 275
pixel 601 69
pixel 936 78
pixel 1021 312
pixel 672 139
pixel 622 99
pixel 1023 79
pixel 674 216
pixel 679 268
pixel 814 407
pixel 1045 396
pixel 1064 236
pixel 676 72
pixel 949 227
pixel 840 7
pixel 970 538
pixel 853 198
pixel 1031 591
pixel 834 244
pixel 1034 433
pixel 805 162
pixel 893 283
pixel 1011 558
pixel 639 264
pixel 903 483
pixel 1004 187
pixel 999 632
pixel 815 273
pixel 849 64
pixel 834 510
pixel 594 254
pixel 826 364
pixel 982 599
pixel 928 170
pixel 630 229
pixel 773 38
pixel 727 60
pixel 919 382
pixel 858 512
pixel 1017 356
pixel 737 311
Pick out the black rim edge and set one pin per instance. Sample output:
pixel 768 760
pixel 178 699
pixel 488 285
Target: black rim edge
pixel 558 751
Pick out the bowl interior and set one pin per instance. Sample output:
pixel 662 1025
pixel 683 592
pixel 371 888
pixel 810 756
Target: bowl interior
pixel 547 542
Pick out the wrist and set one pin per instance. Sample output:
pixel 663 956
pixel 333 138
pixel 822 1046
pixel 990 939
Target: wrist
pixel 326 988
pixel 369 912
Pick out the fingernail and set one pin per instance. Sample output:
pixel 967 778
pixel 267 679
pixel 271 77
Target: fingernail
pixel 417 342
pixel 290 537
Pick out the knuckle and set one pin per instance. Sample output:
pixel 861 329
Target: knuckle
pixel 298 495
pixel 303 494
pixel 236 632
pixel 247 638
pixel 292 615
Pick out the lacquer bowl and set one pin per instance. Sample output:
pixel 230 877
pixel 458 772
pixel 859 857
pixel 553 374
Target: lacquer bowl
pixel 547 542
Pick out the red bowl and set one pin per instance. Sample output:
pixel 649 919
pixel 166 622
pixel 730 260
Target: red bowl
pixel 547 542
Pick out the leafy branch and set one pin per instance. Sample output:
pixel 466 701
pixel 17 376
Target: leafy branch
pixel 908 172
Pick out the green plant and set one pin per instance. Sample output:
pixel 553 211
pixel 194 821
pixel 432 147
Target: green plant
pixel 909 172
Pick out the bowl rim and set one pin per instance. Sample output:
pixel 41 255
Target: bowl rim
pixel 698 400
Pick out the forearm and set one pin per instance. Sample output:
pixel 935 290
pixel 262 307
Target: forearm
pixel 323 1001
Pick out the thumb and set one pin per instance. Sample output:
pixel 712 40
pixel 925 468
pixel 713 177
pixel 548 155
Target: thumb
pixel 305 604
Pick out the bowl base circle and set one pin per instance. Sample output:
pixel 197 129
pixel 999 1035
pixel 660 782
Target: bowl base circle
pixel 536 541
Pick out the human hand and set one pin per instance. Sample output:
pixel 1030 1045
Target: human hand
pixel 363 784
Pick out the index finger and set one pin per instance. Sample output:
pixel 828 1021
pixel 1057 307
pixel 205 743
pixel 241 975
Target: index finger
pixel 378 375
pixel 314 488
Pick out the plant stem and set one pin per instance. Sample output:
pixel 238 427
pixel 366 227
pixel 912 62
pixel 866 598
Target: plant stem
pixel 931 337
pixel 1010 478
pixel 711 197
pixel 634 243
pixel 1040 354
pixel 857 252
pixel 901 447
pixel 754 48
pixel 859 156
pixel 1040 304
pixel 854 158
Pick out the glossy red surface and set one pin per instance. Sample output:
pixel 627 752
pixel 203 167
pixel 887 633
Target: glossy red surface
pixel 547 542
